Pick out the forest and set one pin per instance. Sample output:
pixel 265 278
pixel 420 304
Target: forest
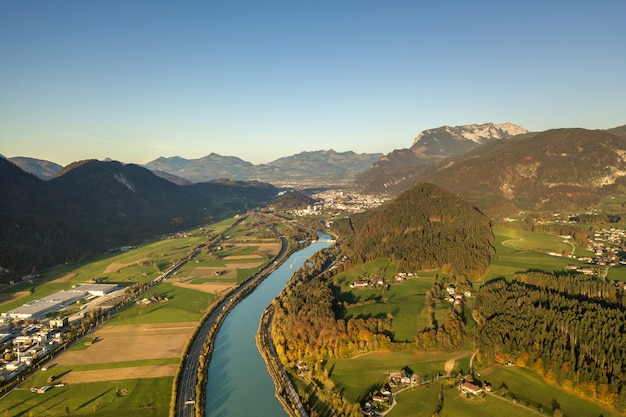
pixel 426 227
pixel 568 328
pixel 304 325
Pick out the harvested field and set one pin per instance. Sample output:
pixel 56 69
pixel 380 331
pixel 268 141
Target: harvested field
pixel 266 248
pixel 208 272
pixel 132 342
pixel 237 257
pixel 114 267
pixel 244 265
pixel 5 298
pixel 210 288
pixel 117 374
pixel 67 277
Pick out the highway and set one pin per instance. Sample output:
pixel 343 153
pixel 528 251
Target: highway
pixel 186 400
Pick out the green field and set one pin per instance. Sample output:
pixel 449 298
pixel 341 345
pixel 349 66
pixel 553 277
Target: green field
pixel 422 401
pixel 529 387
pixel 616 273
pixel 359 376
pixel 518 250
pixel 183 305
pixel 526 394
pixel 136 397
pixel 404 300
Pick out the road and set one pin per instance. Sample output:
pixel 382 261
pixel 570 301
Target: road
pixel 186 394
pixel 278 366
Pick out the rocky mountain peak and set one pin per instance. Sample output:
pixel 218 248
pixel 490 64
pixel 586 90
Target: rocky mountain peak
pixel 476 133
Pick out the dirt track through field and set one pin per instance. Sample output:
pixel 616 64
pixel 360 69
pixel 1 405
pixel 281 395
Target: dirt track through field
pixel 238 257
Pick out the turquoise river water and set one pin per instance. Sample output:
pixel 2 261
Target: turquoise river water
pixel 238 383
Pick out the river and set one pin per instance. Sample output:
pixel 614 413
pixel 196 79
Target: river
pixel 238 382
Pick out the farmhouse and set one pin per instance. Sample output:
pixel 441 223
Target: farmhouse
pixel 362 283
pixel 469 388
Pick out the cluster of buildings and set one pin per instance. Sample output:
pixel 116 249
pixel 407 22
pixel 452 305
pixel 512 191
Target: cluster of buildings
pixel 372 281
pixel 607 244
pixel 26 335
pixel 22 346
pixel 335 201
pixel 38 309
pixel 457 296
pixel 367 282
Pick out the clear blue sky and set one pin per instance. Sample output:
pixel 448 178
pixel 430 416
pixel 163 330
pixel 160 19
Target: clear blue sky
pixel 135 80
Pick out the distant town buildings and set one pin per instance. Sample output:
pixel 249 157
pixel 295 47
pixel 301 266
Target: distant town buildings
pixel 335 202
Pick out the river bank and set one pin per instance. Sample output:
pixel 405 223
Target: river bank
pixel 238 379
pixel 284 389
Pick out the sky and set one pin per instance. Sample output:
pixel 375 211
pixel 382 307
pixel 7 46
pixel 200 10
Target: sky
pixel 136 80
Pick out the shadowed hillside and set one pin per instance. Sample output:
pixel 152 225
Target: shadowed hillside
pixel 92 206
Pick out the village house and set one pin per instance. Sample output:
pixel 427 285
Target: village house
pixel 362 283
pixel 469 388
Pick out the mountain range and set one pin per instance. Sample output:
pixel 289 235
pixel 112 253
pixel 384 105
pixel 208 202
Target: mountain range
pixel 559 169
pixel 326 167
pixel 91 206
pixel 303 169
pixel 45 170
pixel 391 172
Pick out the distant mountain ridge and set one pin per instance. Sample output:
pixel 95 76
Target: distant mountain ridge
pixel 326 167
pixel 45 170
pixel 207 168
pixel 431 146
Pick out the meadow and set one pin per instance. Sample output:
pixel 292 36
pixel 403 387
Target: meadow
pixel 518 250
pixel 138 397
pixel 404 300
pixel 529 388
pixel 358 377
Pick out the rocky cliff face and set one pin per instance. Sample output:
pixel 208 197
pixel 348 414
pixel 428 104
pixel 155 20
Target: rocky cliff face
pixel 393 172
pixel 449 141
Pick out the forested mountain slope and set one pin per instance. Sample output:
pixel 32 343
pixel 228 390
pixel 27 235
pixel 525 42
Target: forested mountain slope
pixel 92 206
pixel 423 228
